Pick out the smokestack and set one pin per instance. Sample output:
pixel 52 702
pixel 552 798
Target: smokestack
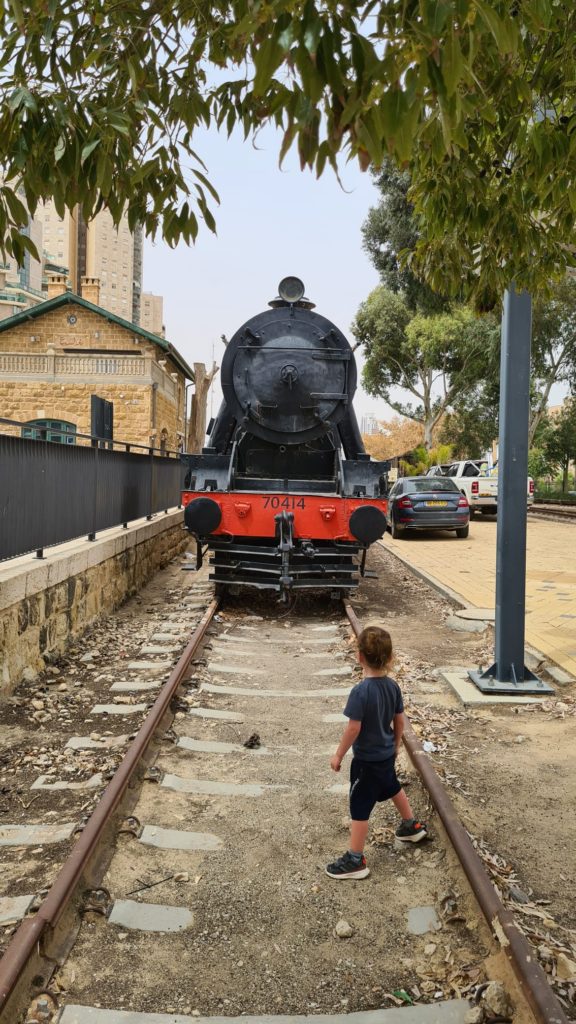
pixel 57 285
pixel 90 290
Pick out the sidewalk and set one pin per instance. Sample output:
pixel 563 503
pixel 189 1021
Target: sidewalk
pixel 468 568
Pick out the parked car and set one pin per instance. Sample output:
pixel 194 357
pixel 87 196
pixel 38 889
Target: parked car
pixel 427 503
pixel 479 483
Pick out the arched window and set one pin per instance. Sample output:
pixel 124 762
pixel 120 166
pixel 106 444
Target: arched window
pixel 59 431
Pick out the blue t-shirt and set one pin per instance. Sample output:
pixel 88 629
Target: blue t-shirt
pixel 374 702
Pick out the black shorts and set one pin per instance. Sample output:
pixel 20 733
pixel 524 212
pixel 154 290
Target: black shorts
pixel 370 783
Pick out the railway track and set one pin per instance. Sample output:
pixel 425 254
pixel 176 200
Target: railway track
pixel 208 847
pixel 553 511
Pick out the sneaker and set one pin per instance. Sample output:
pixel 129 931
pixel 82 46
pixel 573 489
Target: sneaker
pixel 347 867
pixel 412 833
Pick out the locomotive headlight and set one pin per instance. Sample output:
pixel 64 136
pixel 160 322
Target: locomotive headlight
pixel 291 289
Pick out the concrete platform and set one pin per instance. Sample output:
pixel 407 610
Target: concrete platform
pixel 452 1011
pixel 471 696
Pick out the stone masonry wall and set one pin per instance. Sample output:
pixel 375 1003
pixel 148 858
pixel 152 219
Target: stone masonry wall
pixel 39 399
pixel 58 599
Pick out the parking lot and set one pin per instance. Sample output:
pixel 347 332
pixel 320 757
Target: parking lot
pixel 468 568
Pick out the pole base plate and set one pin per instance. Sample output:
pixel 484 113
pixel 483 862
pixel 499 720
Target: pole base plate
pixel 488 682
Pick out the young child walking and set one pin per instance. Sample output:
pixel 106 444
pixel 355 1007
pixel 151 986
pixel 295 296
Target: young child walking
pixel 376 712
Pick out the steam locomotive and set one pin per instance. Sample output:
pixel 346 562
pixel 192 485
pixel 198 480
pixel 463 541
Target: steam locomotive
pixel 284 495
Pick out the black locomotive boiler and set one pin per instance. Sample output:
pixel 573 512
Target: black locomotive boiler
pixel 284 495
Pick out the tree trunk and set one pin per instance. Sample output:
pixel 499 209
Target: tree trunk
pixel 197 422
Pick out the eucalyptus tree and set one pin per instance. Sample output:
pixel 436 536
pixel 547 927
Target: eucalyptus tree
pixel 100 102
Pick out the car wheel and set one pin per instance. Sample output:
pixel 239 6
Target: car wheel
pixel 396 531
pixel 463 531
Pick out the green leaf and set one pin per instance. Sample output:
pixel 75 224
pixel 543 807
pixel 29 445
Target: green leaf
pixel 60 149
pixel 87 149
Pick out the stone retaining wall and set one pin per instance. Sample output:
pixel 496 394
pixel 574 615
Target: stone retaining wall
pixel 43 604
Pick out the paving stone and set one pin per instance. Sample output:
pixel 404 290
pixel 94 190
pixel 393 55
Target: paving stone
pixel 241 692
pixel 182 785
pixel 87 743
pixel 134 686
pixel 118 709
pixel 92 783
pixel 35 835
pixel 150 917
pixel 422 920
pixel 236 670
pixel 227 716
pixel 158 665
pixel 13 908
pixel 559 675
pixel 342 670
pixel 451 1011
pixel 174 839
pixel 470 695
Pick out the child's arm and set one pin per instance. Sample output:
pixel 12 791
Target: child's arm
pixel 398 730
pixel 351 733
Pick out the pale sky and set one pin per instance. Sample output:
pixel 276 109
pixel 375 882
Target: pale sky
pixel 270 223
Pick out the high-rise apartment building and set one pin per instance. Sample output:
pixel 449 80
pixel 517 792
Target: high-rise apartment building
pixel 97 249
pixel 152 313
pixel 21 287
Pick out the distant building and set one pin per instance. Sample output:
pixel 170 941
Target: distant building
pixel 152 313
pixel 55 356
pixel 97 249
pixel 21 287
pixel 369 425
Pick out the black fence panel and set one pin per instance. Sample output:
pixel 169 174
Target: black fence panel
pixel 50 493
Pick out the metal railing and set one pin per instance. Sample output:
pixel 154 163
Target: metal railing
pixel 52 492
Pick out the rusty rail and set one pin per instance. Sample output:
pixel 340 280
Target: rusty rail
pixel 532 978
pixel 33 929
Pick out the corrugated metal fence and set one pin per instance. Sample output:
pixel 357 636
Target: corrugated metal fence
pixel 50 492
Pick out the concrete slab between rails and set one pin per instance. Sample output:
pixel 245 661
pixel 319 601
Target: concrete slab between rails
pixel 13 908
pixel 134 686
pixel 35 835
pixel 150 917
pixel 220 668
pixel 216 747
pixel 159 649
pixel 44 782
pixel 209 788
pixel 118 709
pixel 156 666
pixel 245 692
pixel 174 839
pixel 339 717
pixel 344 670
pixel 470 696
pixel 88 743
pixel 225 716
pixel 452 1011
pixel 422 920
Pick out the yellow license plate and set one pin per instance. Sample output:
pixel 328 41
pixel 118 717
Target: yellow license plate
pixel 436 504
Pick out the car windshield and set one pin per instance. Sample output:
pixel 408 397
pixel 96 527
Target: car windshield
pixel 430 484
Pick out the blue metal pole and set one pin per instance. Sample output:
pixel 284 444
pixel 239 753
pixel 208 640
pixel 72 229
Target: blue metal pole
pixel 509 674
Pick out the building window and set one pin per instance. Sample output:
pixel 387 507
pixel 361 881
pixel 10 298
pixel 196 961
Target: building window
pixel 59 431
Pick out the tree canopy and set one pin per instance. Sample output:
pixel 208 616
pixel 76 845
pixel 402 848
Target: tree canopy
pixel 99 103
pixel 435 357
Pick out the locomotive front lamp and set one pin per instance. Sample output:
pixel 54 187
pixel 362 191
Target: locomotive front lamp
pixel 291 289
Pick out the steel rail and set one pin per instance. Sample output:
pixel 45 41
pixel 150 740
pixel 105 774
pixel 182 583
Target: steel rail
pixel 32 930
pixel 532 978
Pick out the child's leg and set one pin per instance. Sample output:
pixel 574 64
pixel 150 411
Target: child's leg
pixel 358 833
pixel 402 805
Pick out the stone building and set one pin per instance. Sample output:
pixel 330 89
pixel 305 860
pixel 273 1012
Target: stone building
pixel 56 355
